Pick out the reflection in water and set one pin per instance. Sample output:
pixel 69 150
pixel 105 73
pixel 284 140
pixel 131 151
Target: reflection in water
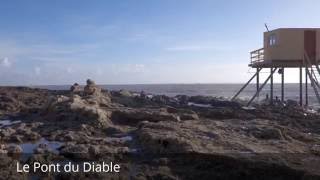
pixel 7 122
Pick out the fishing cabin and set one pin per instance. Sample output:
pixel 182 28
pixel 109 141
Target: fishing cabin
pixel 287 48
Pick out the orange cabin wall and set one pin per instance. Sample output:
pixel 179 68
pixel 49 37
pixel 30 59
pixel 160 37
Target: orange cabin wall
pixel 289 44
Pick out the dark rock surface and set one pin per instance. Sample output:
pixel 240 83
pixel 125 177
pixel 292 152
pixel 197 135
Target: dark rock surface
pixel 165 137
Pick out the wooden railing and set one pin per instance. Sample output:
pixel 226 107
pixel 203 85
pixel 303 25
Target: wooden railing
pixel 257 55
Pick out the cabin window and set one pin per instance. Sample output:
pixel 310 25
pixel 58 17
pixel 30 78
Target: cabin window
pixel 272 40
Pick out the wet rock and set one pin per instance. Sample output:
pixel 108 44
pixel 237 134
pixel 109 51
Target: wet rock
pixel 94 150
pixel 143 95
pixel 170 109
pixel 21 99
pixel 77 151
pixel 224 113
pixel 224 103
pixel 292 103
pixel 43 158
pixel 14 149
pixel 189 116
pixel 125 93
pixel 184 114
pixel 27 133
pixel 201 99
pixel 213 101
pixel 43 148
pixel 94 95
pixel 16 139
pixel 90 82
pixel 6 132
pixel 138 177
pixel 87 112
pixel 9 103
pixel 69 137
pixel 32 136
pixel 3 149
pixel 134 116
pixel 75 88
pixel 183 99
pixel 161 99
pixel 8 169
pixel 267 133
pixel 91 125
pixel 315 149
pixel 163 138
pixel 91 88
pixel 77 110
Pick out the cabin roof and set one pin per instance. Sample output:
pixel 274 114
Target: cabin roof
pixel 292 29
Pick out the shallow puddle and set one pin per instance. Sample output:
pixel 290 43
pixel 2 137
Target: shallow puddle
pixel 120 139
pixel 7 122
pixel 199 105
pixel 29 147
pixel 126 138
pixel 248 108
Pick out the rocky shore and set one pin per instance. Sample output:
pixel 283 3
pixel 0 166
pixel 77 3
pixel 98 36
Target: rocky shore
pixel 156 137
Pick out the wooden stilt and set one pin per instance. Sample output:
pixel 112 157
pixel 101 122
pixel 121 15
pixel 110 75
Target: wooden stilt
pixel 282 85
pixel 244 86
pixel 261 87
pixel 271 86
pixel 258 81
pixel 300 86
pixel 306 86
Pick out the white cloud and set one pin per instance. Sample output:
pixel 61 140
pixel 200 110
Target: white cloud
pixel 37 70
pixel 5 62
pixel 46 51
pixel 128 68
pixel 137 37
pixel 70 70
pixel 191 48
pixel 99 71
pixel 215 45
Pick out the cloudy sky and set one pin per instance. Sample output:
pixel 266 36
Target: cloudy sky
pixel 139 41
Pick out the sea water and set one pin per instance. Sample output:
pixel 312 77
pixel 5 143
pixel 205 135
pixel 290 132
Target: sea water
pixel 218 90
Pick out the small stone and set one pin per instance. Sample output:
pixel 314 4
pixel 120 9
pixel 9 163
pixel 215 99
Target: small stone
pixel 94 150
pixel 90 82
pixel 125 93
pixel 14 149
pixel 75 88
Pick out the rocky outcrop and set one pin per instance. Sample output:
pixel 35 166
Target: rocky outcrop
pixel 134 116
pixel 183 114
pixel 125 93
pixel 21 99
pixel 73 110
pixel 230 138
pixel 91 88
pixel 75 88
pixel 210 133
pixel 161 99
pixel 79 110
pixel 8 168
pixel 19 133
pixel 225 133
pixel 14 149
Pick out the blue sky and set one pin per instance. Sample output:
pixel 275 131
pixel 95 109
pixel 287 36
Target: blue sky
pixel 139 41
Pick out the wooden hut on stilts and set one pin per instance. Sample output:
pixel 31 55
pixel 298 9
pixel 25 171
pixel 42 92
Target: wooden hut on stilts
pixel 287 48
